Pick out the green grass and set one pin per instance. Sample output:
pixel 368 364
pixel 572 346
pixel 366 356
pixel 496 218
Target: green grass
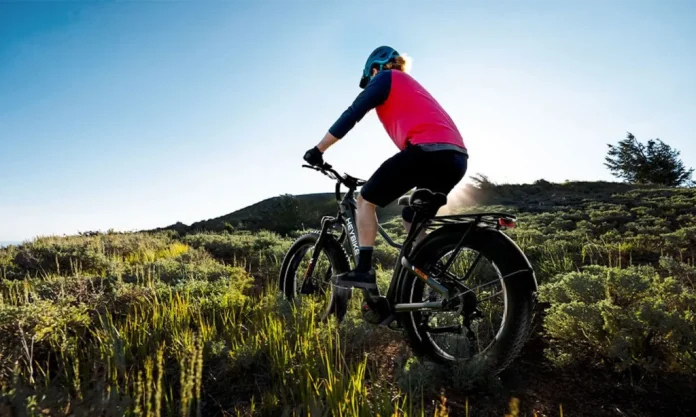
pixel 158 324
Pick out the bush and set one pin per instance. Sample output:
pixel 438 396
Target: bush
pixel 628 318
pixel 91 254
pixel 261 253
pixel 41 326
pixel 8 268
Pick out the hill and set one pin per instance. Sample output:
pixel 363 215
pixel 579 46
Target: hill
pixel 286 213
pixel 282 214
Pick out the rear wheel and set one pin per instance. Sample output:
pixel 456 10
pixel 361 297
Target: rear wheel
pixel 295 282
pixel 487 325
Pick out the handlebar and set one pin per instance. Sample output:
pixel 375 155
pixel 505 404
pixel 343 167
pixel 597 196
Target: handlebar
pixel 351 182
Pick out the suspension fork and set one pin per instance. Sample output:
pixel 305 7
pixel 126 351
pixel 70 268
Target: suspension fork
pixel 326 222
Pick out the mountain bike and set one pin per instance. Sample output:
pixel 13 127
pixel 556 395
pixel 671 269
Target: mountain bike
pixel 427 280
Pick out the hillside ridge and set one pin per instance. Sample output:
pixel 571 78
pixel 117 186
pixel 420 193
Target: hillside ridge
pixel 288 212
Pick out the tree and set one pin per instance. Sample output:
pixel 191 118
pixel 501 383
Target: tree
pixel 482 182
pixel 656 163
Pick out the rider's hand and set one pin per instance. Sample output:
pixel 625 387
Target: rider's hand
pixel 314 157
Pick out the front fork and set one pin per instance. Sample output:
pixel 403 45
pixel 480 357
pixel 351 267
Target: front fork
pixel 305 288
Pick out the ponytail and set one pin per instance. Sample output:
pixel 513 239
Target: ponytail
pixel 402 63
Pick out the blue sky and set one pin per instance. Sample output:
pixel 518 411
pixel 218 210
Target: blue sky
pixel 135 115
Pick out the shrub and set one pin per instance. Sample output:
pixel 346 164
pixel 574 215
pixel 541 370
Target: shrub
pixel 261 252
pixel 30 331
pixel 93 254
pixel 8 268
pixel 627 318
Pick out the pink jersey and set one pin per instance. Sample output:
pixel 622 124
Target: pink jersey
pixel 407 111
pixel 411 115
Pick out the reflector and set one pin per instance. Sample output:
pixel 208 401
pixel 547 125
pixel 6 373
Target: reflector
pixel 508 223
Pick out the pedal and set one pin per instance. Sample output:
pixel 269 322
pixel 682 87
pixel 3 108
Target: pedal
pixel 375 309
pixel 370 315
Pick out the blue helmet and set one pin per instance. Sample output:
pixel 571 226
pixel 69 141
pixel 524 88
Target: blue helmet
pixel 377 58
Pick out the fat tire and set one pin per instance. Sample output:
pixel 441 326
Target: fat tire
pixel 520 291
pixel 333 250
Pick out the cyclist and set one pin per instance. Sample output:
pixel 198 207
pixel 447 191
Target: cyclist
pixel 431 153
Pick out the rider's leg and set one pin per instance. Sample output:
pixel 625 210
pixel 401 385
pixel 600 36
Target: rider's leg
pixel 391 180
pixel 438 171
pixel 363 276
pixel 446 169
pixel 407 220
pixel 367 233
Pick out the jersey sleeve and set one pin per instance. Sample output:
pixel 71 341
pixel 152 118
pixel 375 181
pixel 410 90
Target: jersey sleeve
pixel 374 94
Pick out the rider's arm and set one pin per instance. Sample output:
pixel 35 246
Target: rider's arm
pixel 327 141
pixel 374 94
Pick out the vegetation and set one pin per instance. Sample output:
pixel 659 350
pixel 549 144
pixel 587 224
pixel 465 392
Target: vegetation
pixel 189 323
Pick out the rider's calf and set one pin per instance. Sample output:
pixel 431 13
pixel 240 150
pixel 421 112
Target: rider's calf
pixel 407 215
pixel 367 222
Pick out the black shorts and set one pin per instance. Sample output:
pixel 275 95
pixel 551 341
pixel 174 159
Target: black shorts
pixel 438 171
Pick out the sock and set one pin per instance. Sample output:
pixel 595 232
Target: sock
pixel 364 259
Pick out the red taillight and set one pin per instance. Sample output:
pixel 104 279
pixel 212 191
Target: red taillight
pixel 507 223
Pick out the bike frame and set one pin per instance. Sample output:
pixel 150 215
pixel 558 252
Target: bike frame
pixel 345 219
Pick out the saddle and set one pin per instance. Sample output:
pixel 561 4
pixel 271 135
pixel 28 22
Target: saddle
pixel 422 200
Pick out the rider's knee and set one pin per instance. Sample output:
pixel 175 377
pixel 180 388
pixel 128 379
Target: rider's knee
pixel 407 213
pixel 362 203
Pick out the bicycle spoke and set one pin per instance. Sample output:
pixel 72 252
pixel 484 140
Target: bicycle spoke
pixel 473 266
pixel 459 282
pixel 472 289
pixel 489 297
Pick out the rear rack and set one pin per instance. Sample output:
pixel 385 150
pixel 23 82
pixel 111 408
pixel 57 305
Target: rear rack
pixel 501 221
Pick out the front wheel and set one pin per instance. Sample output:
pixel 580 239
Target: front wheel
pixel 489 322
pixel 295 281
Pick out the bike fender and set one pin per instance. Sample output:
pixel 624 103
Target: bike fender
pixel 529 276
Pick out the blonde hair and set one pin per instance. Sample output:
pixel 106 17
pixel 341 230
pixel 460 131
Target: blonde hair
pixel 402 63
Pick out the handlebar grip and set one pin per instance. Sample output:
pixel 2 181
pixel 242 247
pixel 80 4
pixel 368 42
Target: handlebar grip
pixel 318 168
